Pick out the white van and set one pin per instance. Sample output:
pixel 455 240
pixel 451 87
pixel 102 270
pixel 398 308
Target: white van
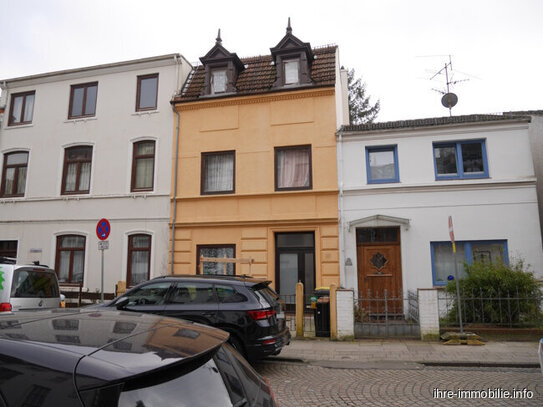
pixel 27 287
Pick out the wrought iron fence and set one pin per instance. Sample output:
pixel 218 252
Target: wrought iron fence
pixel 519 309
pixel 387 315
pixel 290 314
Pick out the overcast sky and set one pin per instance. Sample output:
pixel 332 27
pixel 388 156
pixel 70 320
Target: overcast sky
pixel 396 46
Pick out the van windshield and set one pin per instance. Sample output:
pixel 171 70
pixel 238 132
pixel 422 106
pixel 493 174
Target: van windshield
pixel 34 283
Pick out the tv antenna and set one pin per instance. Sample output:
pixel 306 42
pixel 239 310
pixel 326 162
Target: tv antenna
pixel 449 99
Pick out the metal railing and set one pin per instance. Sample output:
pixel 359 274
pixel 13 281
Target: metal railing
pixel 290 314
pixel 513 309
pixel 387 314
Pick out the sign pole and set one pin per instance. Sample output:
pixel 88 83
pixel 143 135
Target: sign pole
pixel 103 228
pixel 102 283
pixel 451 234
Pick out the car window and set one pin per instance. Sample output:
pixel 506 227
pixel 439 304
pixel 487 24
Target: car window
pixel 270 295
pixel 32 283
pixel 149 294
pixel 202 387
pixel 233 383
pixel 228 294
pixel 189 292
pixel 249 377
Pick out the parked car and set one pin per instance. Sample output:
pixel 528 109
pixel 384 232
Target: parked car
pixel 247 308
pixel 27 286
pixel 97 358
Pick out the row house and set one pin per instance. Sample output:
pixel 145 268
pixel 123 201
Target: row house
pixel 84 144
pixel 400 182
pixel 255 172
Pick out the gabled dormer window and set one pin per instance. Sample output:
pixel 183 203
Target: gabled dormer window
pixel 291 69
pixel 221 70
pixel 293 59
pixel 218 81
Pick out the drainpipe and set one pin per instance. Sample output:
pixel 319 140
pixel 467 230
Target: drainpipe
pixel 343 275
pixel 178 62
pixel 174 217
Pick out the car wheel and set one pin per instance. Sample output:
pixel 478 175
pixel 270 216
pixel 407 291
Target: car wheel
pixel 237 345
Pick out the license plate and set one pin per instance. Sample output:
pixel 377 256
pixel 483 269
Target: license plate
pixel 280 315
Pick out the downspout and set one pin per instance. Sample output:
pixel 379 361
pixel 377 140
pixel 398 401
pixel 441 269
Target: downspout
pixel 175 176
pixel 343 274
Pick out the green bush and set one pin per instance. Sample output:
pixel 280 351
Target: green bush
pixel 497 293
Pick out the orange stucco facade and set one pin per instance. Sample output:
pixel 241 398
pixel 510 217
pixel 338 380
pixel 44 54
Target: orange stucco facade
pixel 255 212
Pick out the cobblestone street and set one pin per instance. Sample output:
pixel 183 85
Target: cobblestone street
pixel 399 384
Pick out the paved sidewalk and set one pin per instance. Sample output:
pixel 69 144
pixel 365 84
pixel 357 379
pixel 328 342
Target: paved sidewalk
pixel 521 354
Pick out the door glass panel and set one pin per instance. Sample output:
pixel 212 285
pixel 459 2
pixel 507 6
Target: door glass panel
pixel 288 275
pixel 309 283
pixel 295 240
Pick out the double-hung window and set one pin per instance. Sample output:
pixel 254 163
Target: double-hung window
pixel 22 108
pixel 216 251
pixel 291 70
pixel 146 98
pixel 218 172
pixel 139 259
pixel 83 100
pixel 70 259
pixel 14 174
pixel 460 159
pixel 293 168
pixel 443 259
pixel 218 81
pixel 143 166
pixel 77 170
pixel 382 164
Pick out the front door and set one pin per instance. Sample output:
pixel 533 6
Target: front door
pixel 294 262
pixel 379 270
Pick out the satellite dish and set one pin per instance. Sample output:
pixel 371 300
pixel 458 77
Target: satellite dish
pixel 449 100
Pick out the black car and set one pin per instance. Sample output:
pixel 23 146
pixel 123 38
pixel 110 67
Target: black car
pixel 98 358
pixel 247 308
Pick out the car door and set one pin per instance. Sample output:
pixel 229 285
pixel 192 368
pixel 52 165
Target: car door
pixel 148 298
pixel 194 301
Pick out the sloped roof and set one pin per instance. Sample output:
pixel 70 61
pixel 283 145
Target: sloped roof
pixel 259 76
pixel 435 121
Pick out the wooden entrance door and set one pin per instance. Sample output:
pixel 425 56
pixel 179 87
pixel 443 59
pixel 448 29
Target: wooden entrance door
pixel 380 277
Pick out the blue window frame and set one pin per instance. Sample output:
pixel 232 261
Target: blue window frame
pixel 466 252
pixel 382 164
pixel 460 160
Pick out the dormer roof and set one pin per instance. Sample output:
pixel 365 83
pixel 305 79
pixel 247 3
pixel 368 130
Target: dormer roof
pixel 219 54
pixel 290 44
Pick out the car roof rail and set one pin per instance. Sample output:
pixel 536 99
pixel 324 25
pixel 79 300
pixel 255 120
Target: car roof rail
pixel 8 260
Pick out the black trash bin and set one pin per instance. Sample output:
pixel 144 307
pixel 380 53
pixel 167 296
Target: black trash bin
pixel 322 312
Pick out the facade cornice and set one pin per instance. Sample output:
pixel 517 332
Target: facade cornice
pixel 65 198
pixel 257 195
pixel 447 186
pixel 271 223
pixel 467 129
pixel 104 69
pixel 92 220
pixel 254 99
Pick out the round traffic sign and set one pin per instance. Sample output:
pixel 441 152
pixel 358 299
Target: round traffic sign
pixel 102 229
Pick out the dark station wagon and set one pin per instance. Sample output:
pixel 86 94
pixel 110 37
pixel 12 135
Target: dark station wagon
pixel 101 358
pixel 247 308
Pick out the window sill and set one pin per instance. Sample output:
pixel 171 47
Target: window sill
pixel 145 112
pixel 80 120
pixel 18 126
pixel 485 176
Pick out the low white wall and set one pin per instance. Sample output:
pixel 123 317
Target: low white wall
pixel 428 314
pixel 345 314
